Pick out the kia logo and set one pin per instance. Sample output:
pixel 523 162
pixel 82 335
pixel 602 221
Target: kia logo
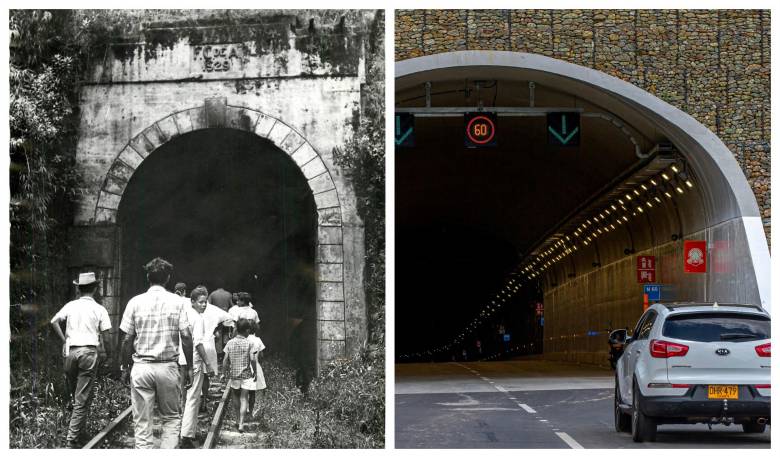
pixel 722 351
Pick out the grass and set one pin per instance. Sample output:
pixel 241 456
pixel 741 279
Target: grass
pixel 343 408
pixel 41 421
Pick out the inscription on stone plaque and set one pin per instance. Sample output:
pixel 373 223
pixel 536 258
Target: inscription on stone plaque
pixel 215 58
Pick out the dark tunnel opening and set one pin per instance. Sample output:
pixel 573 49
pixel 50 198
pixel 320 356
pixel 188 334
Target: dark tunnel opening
pixel 231 210
pixel 466 216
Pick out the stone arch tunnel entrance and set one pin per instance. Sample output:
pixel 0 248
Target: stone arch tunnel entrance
pixel 530 246
pixel 228 209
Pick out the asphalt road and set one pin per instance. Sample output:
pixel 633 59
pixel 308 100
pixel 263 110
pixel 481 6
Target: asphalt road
pixel 528 404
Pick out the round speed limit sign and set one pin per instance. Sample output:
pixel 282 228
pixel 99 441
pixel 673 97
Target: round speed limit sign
pixel 480 130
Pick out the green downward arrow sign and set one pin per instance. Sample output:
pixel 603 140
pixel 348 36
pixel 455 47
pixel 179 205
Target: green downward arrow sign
pixel 400 138
pixel 562 136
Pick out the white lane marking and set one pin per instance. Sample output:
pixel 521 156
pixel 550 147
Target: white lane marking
pixel 543 421
pixel 569 440
pixel 527 408
pixel 486 408
pixel 502 389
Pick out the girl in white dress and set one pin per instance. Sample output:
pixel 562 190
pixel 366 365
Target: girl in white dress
pixel 256 347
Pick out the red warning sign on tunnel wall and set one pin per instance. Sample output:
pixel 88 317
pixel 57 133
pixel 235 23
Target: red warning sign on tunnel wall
pixel 645 269
pixel 695 256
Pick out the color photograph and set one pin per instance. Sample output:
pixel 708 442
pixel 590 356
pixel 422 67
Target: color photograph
pixel 582 224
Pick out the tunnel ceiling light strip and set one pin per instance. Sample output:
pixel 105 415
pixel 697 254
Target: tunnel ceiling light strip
pixel 657 166
pixel 556 249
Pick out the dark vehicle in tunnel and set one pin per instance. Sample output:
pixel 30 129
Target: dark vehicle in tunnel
pixel 695 363
pixel 616 340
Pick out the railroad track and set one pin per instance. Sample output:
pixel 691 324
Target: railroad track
pixel 118 433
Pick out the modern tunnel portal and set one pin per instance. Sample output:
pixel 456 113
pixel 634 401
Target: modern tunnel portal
pixel 241 216
pixel 533 246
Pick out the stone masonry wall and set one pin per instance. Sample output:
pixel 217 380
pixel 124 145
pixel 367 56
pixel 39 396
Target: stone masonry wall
pixel 712 64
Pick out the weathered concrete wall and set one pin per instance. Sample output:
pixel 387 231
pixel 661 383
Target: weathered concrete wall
pixel 712 64
pixel 296 83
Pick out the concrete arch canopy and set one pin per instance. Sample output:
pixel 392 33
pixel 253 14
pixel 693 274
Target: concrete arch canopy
pixel 726 208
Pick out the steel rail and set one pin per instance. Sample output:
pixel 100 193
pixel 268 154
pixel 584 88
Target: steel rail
pixel 216 422
pixel 103 434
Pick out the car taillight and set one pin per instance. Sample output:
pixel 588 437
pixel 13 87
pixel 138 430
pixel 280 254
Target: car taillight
pixel 768 386
pixel 764 350
pixel 664 349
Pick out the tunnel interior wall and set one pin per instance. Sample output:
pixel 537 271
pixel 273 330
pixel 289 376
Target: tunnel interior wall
pixel 140 99
pixel 609 296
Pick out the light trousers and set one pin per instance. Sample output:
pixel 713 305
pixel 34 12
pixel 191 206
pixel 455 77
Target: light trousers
pixel 156 383
pixel 189 421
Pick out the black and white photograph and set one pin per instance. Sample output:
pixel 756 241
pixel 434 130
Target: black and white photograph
pixel 197 228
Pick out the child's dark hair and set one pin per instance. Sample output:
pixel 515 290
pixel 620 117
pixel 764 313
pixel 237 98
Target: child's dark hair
pixel 244 326
pixel 197 292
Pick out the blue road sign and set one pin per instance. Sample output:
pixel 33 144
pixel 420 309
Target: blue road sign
pixel 653 292
pixel 507 338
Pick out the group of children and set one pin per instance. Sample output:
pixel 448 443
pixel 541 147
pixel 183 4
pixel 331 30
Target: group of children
pixel 242 353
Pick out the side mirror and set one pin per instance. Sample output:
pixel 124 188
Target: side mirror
pixel 618 337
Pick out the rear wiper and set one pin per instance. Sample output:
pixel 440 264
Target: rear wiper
pixel 736 336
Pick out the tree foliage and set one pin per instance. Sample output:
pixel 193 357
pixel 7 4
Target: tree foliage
pixel 364 159
pixel 48 52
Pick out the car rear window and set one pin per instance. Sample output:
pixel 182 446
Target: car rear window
pixel 717 327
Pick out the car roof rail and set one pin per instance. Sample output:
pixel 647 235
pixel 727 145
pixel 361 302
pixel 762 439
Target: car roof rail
pixel 677 305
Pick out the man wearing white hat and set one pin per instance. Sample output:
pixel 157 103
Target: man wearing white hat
pixel 86 325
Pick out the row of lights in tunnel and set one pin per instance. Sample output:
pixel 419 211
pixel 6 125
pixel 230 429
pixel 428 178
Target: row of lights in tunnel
pixel 666 183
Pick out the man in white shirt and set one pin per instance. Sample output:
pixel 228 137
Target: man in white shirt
pixel 87 327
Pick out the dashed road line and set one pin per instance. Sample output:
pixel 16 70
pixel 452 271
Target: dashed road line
pixel 562 435
pixel 569 440
pixel 526 408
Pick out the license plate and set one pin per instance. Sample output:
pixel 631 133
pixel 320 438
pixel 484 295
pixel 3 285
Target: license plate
pixel 723 392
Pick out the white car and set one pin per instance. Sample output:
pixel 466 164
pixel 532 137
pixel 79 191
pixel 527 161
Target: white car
pixel 694 363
